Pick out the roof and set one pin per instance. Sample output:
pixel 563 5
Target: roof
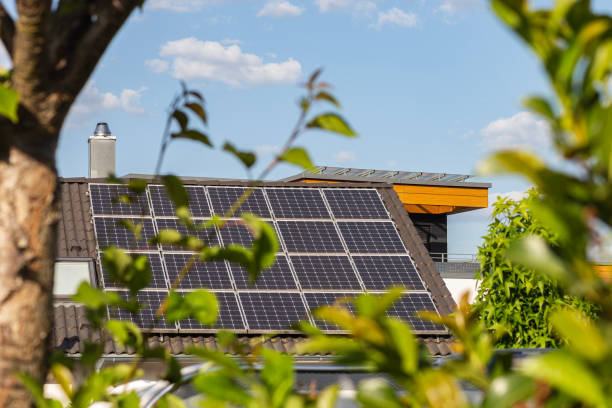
pixel 76 240
pixel 388 176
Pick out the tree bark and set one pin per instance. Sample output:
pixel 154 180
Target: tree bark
pixel 28 219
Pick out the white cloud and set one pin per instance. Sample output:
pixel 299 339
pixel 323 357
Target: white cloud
pixel 523 130
pixel 450 7
pixel 91 101
pixel 157 65
pixel 280 8
pixel 396 17
pixel 345 157
pixel 197 59
pixel 181 6
pixel 360 7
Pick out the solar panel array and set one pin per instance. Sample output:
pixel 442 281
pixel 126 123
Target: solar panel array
pixel 333 243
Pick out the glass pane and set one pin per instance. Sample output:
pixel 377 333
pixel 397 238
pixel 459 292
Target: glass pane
pixel 68 277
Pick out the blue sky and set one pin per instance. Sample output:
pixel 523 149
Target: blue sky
pixel 429 85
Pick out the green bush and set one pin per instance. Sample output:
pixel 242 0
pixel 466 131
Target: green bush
pixel 512 298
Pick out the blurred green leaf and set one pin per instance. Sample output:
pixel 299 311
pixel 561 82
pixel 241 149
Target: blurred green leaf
pixel 192 134
pixel 377 393
pixel 198 109
pixel 9 102
pixel 328 397
pixel 181 118
pixel 175 190
pixel 247 158
pixel 508 391
pixel 299 157
pixel 326 96
pixel 222 386
pixel 583 337
pixel 125 333
pixel 331 122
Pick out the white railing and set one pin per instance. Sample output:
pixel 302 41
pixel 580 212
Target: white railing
pixel 446 257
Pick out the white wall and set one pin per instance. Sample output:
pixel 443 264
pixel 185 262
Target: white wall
pixel 458 286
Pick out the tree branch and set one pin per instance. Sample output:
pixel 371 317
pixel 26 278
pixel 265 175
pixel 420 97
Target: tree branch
pixel 87 51
pixel 7 29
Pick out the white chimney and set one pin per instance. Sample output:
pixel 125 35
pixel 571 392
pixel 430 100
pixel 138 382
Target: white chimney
pixel 101 152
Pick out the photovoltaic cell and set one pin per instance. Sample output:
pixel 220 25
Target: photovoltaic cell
pixel 407 307
pixel 297 203
pixel 382 272
pixel 158 280
pixel 235 232
pixel 105 200
pixel 222 199
pixel 314 300
pixel 310 236
pixel 145 319
pixel 210 274
pixel 206 235
pixel 371 237
pixel 276 277
pixel 109 231
pixel 163 206
pixel 272 311
pixel 325 272
pixel 229 316
pixel 355 203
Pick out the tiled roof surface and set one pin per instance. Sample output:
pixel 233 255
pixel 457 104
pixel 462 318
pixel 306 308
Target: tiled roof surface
pixel 76 239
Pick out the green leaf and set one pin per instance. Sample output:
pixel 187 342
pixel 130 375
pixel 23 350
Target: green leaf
pixel 193 135
pixel 326 96
pixel 167 236
pixel 176 308
pixel 299 157
pixel 170 401
pixel 534 253
pixel 540 105
pixel 198 109
pixel 175 190
pixel 583 337
pixel 125 333
pixel 264 246
pixel 9 101
pixel 219 358
pixel 508 391
pixel 204 306
pixel 181 118
pixel 128 400
pixel 277 374
pixel 405 343
pixel 95 298
pixel 36 391
pixel 377 393
pixel 137 186
pixel 247 158
pixel 134 271
pixel 221 386
pixel 328 397
pixel 331 122
pixel 570 375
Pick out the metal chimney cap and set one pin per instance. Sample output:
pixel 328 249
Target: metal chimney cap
pixel 102 129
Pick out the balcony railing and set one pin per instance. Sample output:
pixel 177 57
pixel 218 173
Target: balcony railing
pixel 461 266
pixel 446 257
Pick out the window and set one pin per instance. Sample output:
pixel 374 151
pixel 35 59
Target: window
pixel 68 276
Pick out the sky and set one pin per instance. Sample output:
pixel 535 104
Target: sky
pixel 429 85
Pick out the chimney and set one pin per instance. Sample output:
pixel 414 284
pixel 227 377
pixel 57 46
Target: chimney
pixel 101 152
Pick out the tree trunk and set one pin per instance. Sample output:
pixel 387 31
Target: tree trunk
pixel 28 218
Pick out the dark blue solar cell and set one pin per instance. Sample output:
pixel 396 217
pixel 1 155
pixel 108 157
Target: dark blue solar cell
pixel 356 203
pixel 371 237
pixel 297 203
pixel 105 200
pixel 223 198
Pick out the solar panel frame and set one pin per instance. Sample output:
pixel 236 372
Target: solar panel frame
pixel 317 299
pixel 384 271
pixel 104 200
pixel 121 236
pixel 310 236
pixel 278 277
pixel 199 206
pixel 209 274
pixel 378 237
pixel 146 316
pixel 222 199
pixel 355 204
pixel 272 312
pixel 325 272
pixel 297 203
pixel 229 318
pixel 158 274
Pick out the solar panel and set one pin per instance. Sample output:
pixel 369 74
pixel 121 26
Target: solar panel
pixel 297 203
pixel 314 300
pixel 229 316
pixel 206 235
pixel 163 206
pixel 382 272
pixel 371 237
pixel 407 307
pixel 325 272
pixel 272 311
pixel 210 274
pixel 236 232
pixel 356 203
pixel 222 199
pixel 276 277
pixel 110 232
pixel 310 236
pixel 145 318
pixel 158 279
pixel 105 200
